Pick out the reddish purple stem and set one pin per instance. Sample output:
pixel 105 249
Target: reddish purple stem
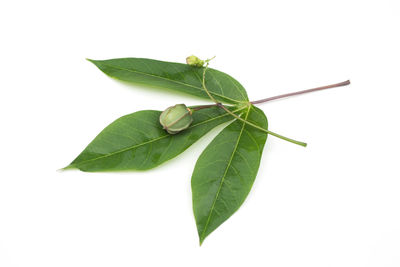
pixel 301 92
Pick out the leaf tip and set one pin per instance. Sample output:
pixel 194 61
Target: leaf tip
pixel 69 167
pixel 202 237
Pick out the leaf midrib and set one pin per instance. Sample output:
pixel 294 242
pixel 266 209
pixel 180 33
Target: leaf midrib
pixel 147 142
pixel 170 80
pixel 223 178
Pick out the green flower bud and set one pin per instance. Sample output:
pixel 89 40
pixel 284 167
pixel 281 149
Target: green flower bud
pixel 194 61
pixel 176 118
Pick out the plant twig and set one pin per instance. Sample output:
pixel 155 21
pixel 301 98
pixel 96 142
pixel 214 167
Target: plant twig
pixel 262 129
pixel 204 106
pixel 204 83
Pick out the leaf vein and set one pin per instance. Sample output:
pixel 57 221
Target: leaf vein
pixel 147 142
pixel 223 177
pixel 170 80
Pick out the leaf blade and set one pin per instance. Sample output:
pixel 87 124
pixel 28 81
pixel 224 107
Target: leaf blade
pixel 175 76
pixel 225 172
pixel 138 142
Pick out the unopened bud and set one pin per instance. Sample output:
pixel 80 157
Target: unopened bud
pixel 176 118
pixel 194 61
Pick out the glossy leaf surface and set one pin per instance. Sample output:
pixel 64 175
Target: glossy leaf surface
pixel 175 76
pixel 138 142
pixel 226 170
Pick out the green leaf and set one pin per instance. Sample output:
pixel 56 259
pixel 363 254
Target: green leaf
pixel 175 76
pixel 138 142
pixel 225 171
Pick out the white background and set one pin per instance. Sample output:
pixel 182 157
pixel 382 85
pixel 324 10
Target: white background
pixel 334 203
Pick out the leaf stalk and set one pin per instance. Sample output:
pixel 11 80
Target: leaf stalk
pixel 301 92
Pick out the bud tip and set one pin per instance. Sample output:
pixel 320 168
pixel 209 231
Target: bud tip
pixel 194 61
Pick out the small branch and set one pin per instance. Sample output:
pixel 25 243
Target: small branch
pixel 262 129
pixel 204 83
pixel 205 106
pixel 301 92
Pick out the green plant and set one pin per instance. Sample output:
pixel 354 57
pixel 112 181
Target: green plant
pixel 226 169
